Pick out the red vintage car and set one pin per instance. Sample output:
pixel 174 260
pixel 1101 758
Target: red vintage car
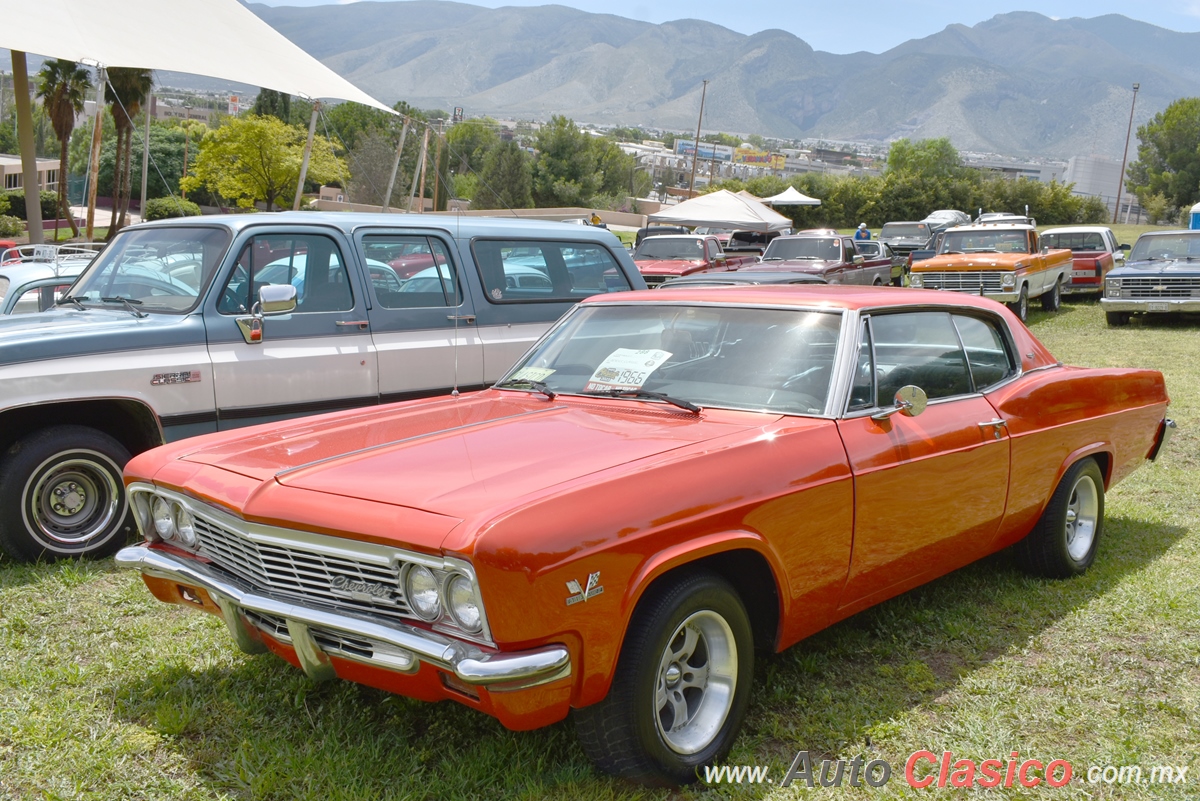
pixel 665 481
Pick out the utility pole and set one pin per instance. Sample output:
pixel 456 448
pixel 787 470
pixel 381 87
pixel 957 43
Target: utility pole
pixel 312 131
pixel 33 196
pixel 94 159
pixel 146 154
pixel 1121 177
pixel 419 172
pixel 437 166
pixel 696 150
pixel 387 196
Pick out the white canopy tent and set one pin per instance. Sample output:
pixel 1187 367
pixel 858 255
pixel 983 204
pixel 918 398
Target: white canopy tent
pixel 791 197
pixel 219 38
pixel 723 208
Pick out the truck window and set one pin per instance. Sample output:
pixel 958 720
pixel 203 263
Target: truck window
pixel 411 271
pixel 523 271
pixel 312 263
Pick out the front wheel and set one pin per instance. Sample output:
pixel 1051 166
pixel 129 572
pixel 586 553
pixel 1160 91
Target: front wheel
pixel 1020 306
pixel 1052 300
pixel 681 688
pixel 61 495
pixel 1065 539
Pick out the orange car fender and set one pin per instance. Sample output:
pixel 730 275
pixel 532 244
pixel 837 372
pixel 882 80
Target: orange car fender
pixel 598 671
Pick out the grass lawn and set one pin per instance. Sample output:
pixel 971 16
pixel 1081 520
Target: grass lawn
pixel 106 693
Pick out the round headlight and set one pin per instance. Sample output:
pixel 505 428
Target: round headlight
pixel 915 280
pixel 185 526
pixel 164 523
pixel 421 588
pixel 464 606
pixel 1008 279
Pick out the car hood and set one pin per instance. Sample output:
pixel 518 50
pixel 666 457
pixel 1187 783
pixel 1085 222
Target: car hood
pixel 974 261
pixel 796 266
pixel 460 457
pixel 71 332
pixel 1133 269
pixel 668 266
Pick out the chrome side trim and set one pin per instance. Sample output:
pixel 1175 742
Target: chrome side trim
pixel 471 664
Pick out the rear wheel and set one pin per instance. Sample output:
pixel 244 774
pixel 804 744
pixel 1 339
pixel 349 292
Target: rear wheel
pixel 1065 539
pixel 61 495
pixel 1020 306
pixel 1052 300
pixel 681 688
pixel 1117 319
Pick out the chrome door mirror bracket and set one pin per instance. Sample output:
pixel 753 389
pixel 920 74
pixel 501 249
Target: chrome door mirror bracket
pixel 910 401
pixel 272 299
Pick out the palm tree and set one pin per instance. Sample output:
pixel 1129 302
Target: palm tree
pixel 127 89
pixel 62 87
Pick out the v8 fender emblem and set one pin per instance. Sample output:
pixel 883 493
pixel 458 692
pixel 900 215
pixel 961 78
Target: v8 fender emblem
pixel 590 590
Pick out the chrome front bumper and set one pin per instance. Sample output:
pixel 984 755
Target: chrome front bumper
pixel 1156 305
pixel 400 647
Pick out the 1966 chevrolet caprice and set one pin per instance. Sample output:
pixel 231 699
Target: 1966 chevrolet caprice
pixel 660 484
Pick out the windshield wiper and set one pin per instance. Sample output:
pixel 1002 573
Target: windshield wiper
pixel 65 299
pixel 645 393
pixel 128 303
pixel 537 386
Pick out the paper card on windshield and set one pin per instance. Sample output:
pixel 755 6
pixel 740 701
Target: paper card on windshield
pixel 532 373
pixel 625 368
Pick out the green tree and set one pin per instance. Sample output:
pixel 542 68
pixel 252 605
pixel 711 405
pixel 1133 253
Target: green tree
pixel 574 168
pixel 469 142
pixel 257 159
pixel 931 158
pixel 125 92
pixel 506 180
pixel 1168 161
pixel 270 103
pixel 62 87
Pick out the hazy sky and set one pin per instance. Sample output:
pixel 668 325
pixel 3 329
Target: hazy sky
pixel 846 27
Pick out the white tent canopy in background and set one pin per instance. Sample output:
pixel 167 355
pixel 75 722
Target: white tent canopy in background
pixel 723 208
pixel 218 38
pixel 791 197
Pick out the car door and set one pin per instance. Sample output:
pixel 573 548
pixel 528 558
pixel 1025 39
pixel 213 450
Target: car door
pixel 931 489
pixel 422 320
pixel 316 358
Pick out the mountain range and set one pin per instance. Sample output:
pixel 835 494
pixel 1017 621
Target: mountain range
pixel 1018 84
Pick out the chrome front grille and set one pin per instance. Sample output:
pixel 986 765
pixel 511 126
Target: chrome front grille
pixel 309 574
pixel 1160 287
pixel 336 643
pixel 965 281
pixel 654 280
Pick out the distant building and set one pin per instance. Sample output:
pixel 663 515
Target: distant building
pixel 14 178
pixel 1100 177
pixel 165 111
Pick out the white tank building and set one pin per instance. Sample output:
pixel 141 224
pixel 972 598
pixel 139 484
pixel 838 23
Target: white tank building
pixel 1100 176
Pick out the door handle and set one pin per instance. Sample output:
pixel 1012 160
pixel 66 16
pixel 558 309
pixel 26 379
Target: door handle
pixel 362 324
pixel 995 425
pixel 466 318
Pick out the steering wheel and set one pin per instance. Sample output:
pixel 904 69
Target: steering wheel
pixel 230 303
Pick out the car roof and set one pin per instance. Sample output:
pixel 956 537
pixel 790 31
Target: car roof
pixel 801 295
pixel 1077 229
pixel 23 272
pixel 745 277
pixel 996 226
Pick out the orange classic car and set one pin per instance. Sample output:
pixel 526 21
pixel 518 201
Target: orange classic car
pixel 664 482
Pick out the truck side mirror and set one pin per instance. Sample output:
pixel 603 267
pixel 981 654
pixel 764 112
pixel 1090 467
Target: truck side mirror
pixel 273 299
pixel 1124 247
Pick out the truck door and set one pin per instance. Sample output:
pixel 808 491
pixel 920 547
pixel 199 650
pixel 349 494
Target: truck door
pixel 318 358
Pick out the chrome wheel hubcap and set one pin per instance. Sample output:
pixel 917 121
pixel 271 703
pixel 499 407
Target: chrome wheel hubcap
pixel 697 674
pixel 68 502
pixel 1083 514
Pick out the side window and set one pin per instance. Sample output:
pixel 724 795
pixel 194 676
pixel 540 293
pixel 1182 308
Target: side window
pixel 920 348
pixel 987 354
pixel 713 250
pixel 521 271
pixel 310 262
pixel 410 271
pixel 862 391
pixel 39 299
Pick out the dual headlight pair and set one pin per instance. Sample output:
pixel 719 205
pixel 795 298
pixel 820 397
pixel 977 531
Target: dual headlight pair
pixel 166 519
pixel 428 595
pixel 1112 287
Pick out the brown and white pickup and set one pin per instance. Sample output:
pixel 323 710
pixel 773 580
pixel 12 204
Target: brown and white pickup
pixel 659 258
pixel 1002 261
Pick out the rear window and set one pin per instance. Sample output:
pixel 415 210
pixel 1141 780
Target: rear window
pixel 904 230
pixel 1089 240
pixel 525 271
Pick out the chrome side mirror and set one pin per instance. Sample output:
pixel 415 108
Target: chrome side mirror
pixel 273 299
pixel 858 259
pixel 909 401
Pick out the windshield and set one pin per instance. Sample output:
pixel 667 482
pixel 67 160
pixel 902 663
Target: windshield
pixel 659 247
pixel 985 241
pixel 904 231
pixel 1080 240
pixel 777 360
pixel 158 269
pixel 807 247
pixel 1170 246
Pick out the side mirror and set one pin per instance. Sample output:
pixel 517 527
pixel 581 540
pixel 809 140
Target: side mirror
pixel 909 401
pixel 858 259
pixel 1124 247
pixel 1045 249
pixel 273 299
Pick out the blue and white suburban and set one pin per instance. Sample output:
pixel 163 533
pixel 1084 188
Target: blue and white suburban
pixel 182 327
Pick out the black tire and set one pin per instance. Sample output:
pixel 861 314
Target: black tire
pixel 626 733
pixel 61 495
pixel 1052 300
pixel 1020 306
pixel 1065 539
pixel 1116 319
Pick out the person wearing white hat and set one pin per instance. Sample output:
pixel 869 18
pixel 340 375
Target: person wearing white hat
pixel 863 232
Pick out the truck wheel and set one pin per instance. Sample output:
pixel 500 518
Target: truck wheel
pixel 61 495
pixel 1064 541
pixel 1052 300
pixel 1116 319
pixel 681 688
pixel 1020 306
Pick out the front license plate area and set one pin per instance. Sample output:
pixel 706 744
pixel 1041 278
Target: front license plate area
pixel 1158 307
